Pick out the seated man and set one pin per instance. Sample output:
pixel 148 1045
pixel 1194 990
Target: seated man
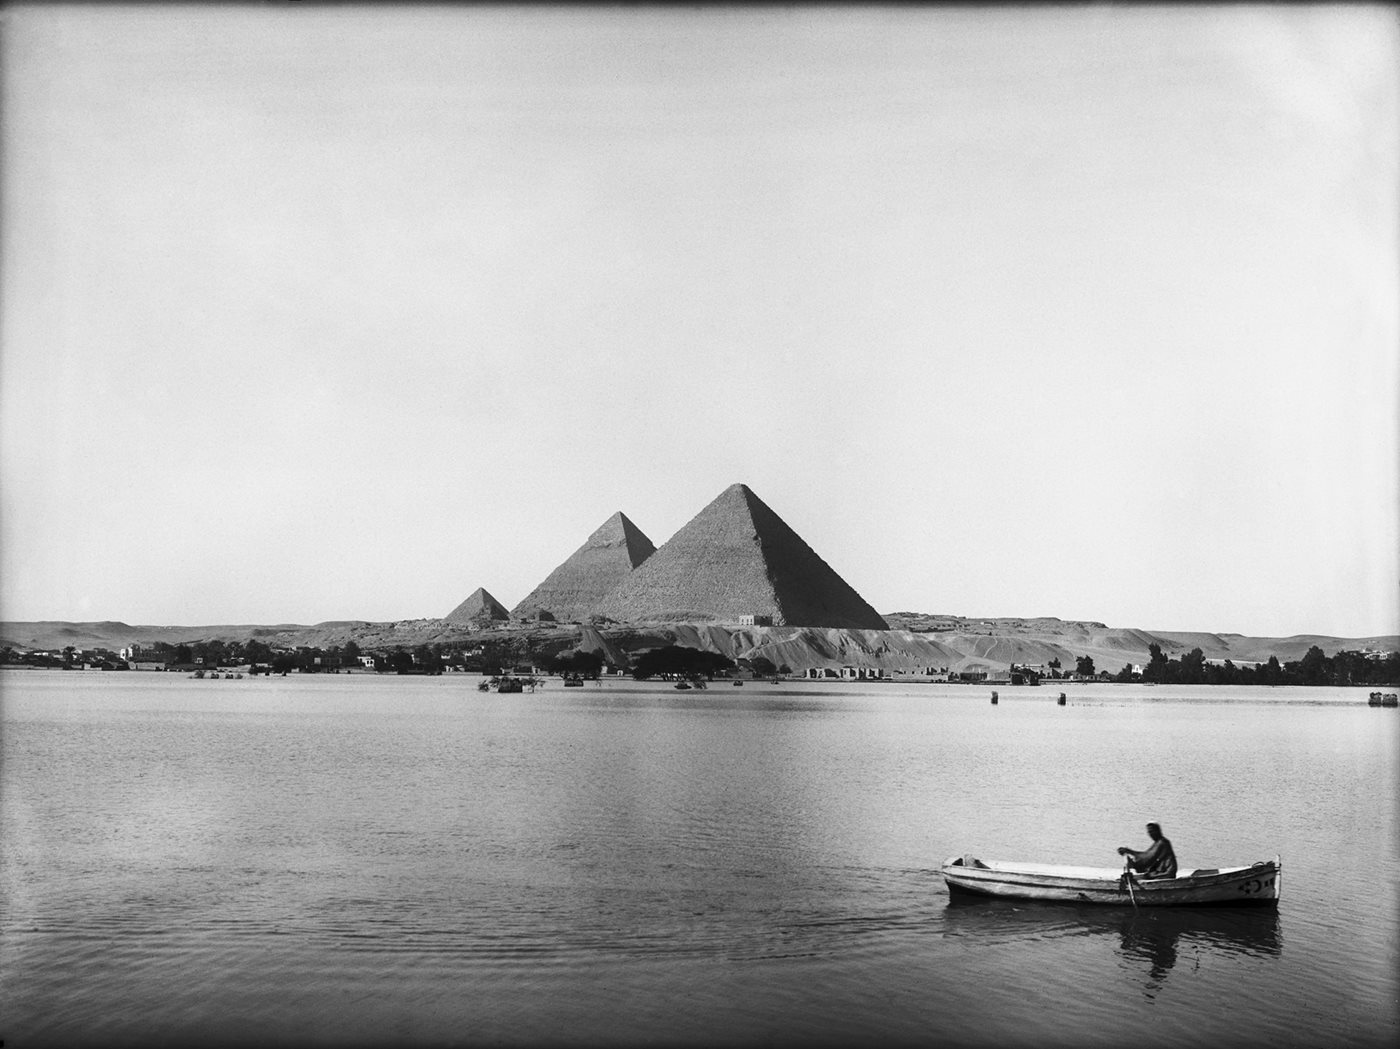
pixel 1158 860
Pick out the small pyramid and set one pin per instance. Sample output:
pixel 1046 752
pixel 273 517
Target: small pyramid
pixel 481 607
pixel 607 557
pixel 735 558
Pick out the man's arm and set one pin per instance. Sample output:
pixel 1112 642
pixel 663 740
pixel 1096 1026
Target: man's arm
pixel 1145 857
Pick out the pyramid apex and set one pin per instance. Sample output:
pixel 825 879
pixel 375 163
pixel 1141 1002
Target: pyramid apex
pixel 738 492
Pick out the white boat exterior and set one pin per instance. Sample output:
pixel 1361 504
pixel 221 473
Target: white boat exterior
pixel 1259 884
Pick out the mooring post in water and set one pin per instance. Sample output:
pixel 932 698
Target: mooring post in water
pixel 1061 700
pixel 994 699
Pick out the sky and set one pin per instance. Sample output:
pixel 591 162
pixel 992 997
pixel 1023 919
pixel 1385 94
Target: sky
pixel 342 312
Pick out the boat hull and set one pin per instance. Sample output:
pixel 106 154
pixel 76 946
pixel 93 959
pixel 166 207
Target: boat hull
pixel 1258 885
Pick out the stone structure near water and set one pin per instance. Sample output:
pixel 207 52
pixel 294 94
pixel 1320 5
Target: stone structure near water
pixel 481 609
pixel 573 590
pixel 737 559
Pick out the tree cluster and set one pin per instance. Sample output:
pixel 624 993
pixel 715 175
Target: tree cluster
pixel 69 658
pixel 762 666
pixel 219 653
pixel 679 661
pixel 1315 668
pixel 584 664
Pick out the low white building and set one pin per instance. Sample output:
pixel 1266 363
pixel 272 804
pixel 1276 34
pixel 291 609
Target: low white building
pixel 862 673
pixel 847 673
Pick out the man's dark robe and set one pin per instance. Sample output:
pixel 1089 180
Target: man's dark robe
pixel 1156 861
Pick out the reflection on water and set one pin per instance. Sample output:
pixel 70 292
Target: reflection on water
pixel 1155 936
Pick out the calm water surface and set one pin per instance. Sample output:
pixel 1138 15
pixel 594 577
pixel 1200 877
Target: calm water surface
pixel 365 860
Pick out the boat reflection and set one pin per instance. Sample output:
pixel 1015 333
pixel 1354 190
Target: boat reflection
pixel 1156 936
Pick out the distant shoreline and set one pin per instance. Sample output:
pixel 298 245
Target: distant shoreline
pixel 982 649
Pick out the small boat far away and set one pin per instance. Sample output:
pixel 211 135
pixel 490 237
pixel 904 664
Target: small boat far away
pixel 507 684
pixel 1258 884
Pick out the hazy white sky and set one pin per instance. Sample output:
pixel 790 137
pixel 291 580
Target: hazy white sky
pixel 342 312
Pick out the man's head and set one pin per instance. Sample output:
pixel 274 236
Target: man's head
pixel 1154 831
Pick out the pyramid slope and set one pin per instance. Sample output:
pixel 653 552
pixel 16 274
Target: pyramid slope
pixel 737 557
pixel 480 606
pixel 607 557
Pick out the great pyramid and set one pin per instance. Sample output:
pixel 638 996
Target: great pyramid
pixel 735 558
pixel 573 590
pixel 481 607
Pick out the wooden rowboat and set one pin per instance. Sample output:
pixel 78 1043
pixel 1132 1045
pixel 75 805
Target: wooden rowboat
pixel 1256 885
